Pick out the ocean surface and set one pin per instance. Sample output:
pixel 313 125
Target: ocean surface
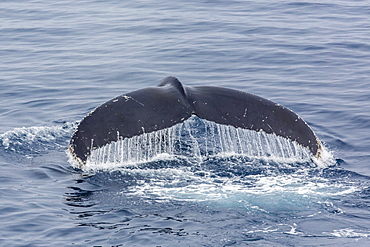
pixel 61 59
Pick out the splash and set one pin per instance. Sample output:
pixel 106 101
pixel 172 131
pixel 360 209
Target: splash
pixel 201 161
pixel 197 140
pixel 36 139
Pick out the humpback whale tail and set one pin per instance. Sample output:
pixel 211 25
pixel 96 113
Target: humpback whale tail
pixel 155 108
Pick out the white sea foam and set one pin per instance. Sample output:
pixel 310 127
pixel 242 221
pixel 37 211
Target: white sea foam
pixel 262 192
pixel 350 233
pixel 34 138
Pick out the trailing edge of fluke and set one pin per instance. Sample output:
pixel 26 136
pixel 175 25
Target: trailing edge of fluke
pixel 154 108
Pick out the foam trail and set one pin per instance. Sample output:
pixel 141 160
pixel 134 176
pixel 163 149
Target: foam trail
pixel 197 139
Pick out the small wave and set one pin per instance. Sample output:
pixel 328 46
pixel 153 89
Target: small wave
pixel 36 139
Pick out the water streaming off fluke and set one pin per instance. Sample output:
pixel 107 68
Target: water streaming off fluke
pixel 197 139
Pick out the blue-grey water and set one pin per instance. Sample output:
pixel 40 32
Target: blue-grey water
pixel 61 59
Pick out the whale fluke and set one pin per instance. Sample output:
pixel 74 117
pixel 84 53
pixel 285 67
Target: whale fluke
pixel 155 108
